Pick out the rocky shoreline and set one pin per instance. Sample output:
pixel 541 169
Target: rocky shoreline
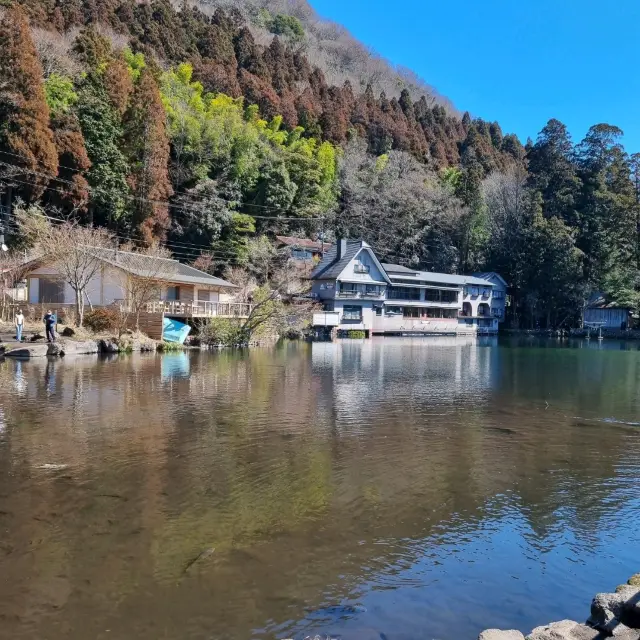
pixel 613 615
pixel 66 347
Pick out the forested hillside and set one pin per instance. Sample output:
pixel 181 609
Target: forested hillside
pixel 199 127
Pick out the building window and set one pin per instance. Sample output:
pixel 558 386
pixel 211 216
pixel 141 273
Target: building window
pixel 301 254
pixel 204 295
pixel 352 313
pixel 403 293
pixel 373 289
pixel 378 311
pixel 449 313
pixel 440 295
pixel 349 288
pixel 51 290
pixel 173 293
pixel 411 312
pixel 498 295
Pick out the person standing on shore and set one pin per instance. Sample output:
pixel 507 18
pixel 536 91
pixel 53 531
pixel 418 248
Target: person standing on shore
pixel 19 322
pixel 50 325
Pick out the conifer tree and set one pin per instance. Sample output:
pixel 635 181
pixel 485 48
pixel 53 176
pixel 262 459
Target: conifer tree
pixel 26 139
pixel 147 146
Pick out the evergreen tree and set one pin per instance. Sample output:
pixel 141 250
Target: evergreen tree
pixel 553 172
pixel 147 146
pixel 26 139
pixel 102 130
pixel 609 213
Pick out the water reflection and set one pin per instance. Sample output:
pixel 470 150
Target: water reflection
pixel 442 484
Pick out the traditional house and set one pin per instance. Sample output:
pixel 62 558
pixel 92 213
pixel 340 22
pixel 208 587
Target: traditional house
pixel 303 249
pixel 360 293
pixel 175 289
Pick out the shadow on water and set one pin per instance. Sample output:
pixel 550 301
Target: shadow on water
pixel 391 488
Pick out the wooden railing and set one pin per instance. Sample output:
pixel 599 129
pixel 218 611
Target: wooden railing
pixel 200 308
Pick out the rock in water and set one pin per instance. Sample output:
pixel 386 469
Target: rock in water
pixel 564 630
pixel 198 559
pixel 28 351
pixel 610 612
pixel 496 634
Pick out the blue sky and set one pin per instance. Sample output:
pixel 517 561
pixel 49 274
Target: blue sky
pixel 520 62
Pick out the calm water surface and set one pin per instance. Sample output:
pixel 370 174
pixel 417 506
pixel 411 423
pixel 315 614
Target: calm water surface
pixel 394 488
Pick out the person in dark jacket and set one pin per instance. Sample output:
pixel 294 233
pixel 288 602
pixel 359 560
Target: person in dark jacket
pixel 50 325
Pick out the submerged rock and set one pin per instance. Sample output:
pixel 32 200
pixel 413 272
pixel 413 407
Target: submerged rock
pixel 203 555
pixel 497 634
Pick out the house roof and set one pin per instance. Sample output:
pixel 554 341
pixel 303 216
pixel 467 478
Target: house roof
pixel 487 275
pixel 165 269
pixel 331 266
pixel 303 243
pixel 599 300
pixel 441 278
pixel 397 268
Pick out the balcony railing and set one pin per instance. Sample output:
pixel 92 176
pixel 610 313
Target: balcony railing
pixel 200 308
pixel 360 294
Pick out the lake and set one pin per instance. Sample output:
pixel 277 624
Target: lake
pixel 394 488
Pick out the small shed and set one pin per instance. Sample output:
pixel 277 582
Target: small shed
pixel 606 313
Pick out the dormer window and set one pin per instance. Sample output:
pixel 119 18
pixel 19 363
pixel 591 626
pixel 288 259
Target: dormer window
pixel 361 268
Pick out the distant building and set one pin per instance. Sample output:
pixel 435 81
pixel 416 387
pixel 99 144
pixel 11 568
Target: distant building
pixel 604 313
pixel 499 293
pixel 181 290
pixel 303 249
pixel 359 292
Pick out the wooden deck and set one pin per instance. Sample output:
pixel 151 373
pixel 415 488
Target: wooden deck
pixel 178 309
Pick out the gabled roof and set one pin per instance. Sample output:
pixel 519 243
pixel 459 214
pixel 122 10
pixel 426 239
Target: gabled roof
pixel 491 274
pixel 331 266
pixel 164 269
pixel 303 243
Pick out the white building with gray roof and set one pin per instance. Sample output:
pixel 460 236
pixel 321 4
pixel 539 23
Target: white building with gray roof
pixel 360 293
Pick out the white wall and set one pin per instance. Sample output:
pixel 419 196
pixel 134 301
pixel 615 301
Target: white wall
pixel 103 288
pixel 364 257
pixel 367 315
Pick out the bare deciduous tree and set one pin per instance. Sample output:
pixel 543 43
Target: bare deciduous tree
pixel 12 272
pixel 152 265
pixel 70 247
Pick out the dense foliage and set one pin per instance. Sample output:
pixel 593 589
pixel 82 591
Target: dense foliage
pixel 175 125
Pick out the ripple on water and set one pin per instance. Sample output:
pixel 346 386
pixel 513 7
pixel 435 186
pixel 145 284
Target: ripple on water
pixel 357 490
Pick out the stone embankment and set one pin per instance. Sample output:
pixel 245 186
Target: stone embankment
pixel 65 347
pixel 613 615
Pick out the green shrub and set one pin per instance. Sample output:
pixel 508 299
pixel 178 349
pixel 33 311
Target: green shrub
pixel 225 331
pixel 101 319
pixel 288 26
pixel 167 347
pixel 356 334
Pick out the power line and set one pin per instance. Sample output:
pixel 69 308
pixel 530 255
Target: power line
pixel 158 202
pixel 227 257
